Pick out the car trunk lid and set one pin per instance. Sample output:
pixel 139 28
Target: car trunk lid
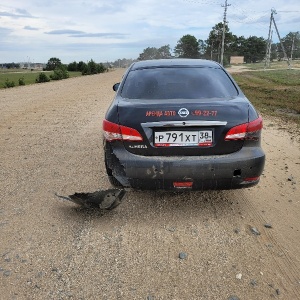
pixel 169 128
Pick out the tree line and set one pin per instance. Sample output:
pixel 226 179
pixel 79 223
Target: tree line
pixel 61 71
pixel 88 68
pixel 10 65
pixel 252 48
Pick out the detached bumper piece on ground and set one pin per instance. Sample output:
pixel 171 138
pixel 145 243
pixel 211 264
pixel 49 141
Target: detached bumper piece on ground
pixel 107 199
pixel 182 124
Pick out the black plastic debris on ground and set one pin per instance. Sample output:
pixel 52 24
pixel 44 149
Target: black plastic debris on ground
pixel 106 199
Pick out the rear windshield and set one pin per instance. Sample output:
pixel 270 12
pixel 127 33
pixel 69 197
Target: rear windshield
pixel 178 83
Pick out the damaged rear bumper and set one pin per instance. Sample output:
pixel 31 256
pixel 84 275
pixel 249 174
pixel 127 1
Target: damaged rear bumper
pixel 232 171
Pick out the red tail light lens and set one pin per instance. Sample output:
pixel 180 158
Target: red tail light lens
pixel 113 132
pixel 182 184
pixel 246 131
pixel 248 179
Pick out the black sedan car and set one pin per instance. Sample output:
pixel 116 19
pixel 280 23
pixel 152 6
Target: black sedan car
pixel 181 124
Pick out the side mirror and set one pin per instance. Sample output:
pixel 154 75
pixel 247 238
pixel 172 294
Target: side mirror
pixel 116 86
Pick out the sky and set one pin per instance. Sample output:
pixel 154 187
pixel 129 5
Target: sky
pixel 81 30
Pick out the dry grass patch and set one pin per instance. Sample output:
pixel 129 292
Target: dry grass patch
pixel 273 92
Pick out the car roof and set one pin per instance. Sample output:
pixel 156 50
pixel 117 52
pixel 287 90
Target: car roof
pixel 174 62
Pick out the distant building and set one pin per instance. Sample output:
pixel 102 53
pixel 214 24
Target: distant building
pixel 39 66
pixel 32 66
pixel 235 60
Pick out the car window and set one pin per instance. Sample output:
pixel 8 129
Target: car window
pixel 178 83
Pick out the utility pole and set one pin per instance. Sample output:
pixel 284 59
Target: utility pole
pixel 282 47
pixel 268 51
pixel 269 42
pixel 292 50
pixel 224 27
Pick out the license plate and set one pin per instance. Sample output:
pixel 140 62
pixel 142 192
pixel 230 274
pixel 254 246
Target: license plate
pixel 202 138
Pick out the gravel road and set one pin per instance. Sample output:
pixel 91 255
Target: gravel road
pixel 155 245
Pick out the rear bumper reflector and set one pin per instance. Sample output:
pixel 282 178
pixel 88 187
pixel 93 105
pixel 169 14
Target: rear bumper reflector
pixel 182 184
pixel 251 179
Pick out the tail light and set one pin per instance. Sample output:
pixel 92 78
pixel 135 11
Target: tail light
pixel 250 180
pixel 183 184
pixel 113 132
pixel 246 131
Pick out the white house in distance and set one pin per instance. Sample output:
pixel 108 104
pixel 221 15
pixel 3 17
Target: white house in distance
pixel 32 66
pixel 235 60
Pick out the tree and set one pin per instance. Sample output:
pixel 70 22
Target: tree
pixel 292 40
pixel 202 48
pixel 274 52
pixel 12 66
pixel 154 53
pixel 42 77
pixel 21 81
pixel 93 67
pixel 187 47
pixel 60 73
pixel 148 53
pixel 254 49
pixel 122 63
pixel 163 52
pixel 53 63
pixel 86 70
pixel 238 46
pixel 101 68
pixel 72 67
pixel 81 66
pixel 214 42
pixel 9 84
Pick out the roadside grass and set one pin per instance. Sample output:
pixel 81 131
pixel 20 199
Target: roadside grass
pixel 275 93
pixel 28 77
pixel 275 65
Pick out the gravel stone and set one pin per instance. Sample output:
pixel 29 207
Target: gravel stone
pixel 7 273
pixel 255 231
pixel 268 226
pixel 233 298
pixel 182 255
pixel 172 229
pixel 253 282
